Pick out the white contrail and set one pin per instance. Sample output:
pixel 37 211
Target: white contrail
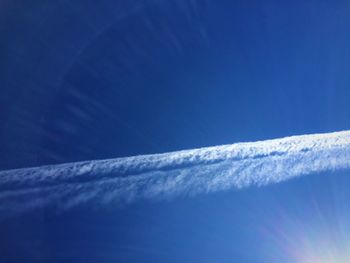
pixel 167 175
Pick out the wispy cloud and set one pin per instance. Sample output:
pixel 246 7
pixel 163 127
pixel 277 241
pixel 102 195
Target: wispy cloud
pixel 167 175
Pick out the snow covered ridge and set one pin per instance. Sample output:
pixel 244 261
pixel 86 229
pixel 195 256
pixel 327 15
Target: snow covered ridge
pixel 166 175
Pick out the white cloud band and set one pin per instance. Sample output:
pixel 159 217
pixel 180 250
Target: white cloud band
pixel 167 175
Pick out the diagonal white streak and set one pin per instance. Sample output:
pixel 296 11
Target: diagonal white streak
pixel 167 175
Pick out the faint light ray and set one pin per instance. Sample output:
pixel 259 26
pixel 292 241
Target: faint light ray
pixel 91 40
pixel 295 238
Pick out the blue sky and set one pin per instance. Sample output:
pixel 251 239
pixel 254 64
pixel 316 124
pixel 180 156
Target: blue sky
pixel 84 80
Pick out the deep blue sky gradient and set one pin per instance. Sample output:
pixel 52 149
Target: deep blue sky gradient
pixel 84 80
pixel 109 79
